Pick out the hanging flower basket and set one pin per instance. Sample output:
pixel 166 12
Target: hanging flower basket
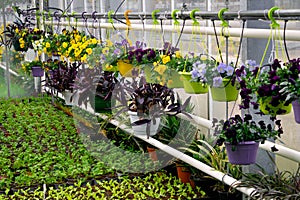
pixel 268 109
pixel 169 77
pixel 37 71
pixel 227 92
pixel 141 129
pixel 192 87
pixel 243 153
pixel 17 46
pixel 174 80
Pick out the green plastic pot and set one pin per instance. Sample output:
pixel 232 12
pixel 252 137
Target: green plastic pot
pixel 225 94
pixel 100 105
pixel 268 109
pixel 192 87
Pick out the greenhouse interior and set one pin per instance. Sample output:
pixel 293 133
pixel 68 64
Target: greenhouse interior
pixel 149 99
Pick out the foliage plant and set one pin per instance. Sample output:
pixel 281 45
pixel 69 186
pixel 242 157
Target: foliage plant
pixel 94 82
pixel 64 77
pixel 40 144
pixel 279 185
pixel 153 186
pixel 149 100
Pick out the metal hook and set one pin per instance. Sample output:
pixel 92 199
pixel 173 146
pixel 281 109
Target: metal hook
pixel 239 14
pixel 95 19
pixel 266 14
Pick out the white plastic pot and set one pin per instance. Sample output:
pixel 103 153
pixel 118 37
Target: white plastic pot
pixel 67 96
pixel 141 129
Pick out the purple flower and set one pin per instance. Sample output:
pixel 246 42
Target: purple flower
pixel 217 81
pixel 117 51
pixel 222 68
pixel 195 73
pixel 229 70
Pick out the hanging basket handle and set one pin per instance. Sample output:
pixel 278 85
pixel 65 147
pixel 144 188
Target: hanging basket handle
pixel 274 24
pixel 220 16
pixel 176 22
pixel 153 14
pixel 192 16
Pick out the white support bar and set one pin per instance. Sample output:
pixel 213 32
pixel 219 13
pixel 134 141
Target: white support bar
pixel 282 150
pixel 292 35
pixel 10 71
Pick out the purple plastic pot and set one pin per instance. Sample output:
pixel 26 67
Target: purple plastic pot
pixel 244 153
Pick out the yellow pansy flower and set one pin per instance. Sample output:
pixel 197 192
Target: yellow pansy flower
pixel 83 58
pixel 109 67
pixel 160 69
pixel 48 45
pixel 17 30
pixel 109 43
pixel 65 45
pixel 178 54
pixel 89 51
pixel 94 41
pixel 105 50
pixel 166 59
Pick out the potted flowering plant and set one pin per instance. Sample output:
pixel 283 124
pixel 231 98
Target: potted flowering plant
pixel 106 55
pixel 193 73
pixel 165 67
pixel 267 83
pixel 219 76
pixel 290 82
pixel 35 66
pixel 242 135
pixel 76 45
pixel 15 34
pixel 136 58
pixel 51 44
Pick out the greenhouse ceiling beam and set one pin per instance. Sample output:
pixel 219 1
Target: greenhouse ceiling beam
pixel 291 35
pixel 285 14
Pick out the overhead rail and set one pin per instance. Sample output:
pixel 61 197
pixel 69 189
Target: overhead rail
pixel 291 35
pixel 280 14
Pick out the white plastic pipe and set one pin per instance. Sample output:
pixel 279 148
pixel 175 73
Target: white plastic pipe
pixel 292 35
pixel 282 150
pixel 181 156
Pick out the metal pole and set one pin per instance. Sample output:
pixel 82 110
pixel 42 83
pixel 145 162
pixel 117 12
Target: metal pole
pixel 6 54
